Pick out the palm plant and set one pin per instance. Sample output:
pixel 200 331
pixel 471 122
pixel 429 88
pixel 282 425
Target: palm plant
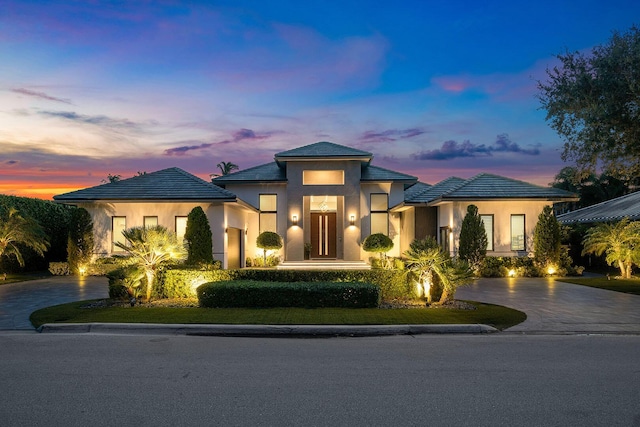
pixel 426 261
pixel 17 230
pixel 227 167
pixel 151 247
pixel 620 242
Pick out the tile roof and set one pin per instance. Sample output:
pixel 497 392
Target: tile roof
pixel 611 210
pixel 415 189
pixel 269 172
pixel 430 193
pixel 486 186
pixel 324 150
pixel 375 173
pixel 166 184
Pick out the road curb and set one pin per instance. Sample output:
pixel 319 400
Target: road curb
pixel 263 330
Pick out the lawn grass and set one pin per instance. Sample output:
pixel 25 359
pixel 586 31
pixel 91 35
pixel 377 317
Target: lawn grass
pixel 23 277
pixel 488 314
pixel 628 286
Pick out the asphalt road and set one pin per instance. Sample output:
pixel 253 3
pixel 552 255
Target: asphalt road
pixel 476 380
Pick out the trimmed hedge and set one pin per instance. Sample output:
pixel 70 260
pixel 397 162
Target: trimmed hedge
pixel 249 293
pixel 393 283
pixel 182 282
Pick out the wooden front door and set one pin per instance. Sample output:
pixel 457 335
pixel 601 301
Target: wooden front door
pixel 234 248
pixel 323 234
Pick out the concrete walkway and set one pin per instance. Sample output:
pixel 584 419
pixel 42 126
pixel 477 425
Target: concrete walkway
pixel 19 300
pixel 558 307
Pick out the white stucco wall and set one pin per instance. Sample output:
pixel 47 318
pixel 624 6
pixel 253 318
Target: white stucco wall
pixel 220 217
pixel 452 213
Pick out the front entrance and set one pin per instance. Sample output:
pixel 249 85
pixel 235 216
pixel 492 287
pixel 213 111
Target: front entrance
pixel 323 235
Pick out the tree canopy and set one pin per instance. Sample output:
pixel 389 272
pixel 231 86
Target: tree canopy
pixel 593 102
pixel 198 237
pixel 16 230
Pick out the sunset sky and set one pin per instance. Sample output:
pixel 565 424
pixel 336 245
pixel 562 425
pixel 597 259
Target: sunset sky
pixel 431 88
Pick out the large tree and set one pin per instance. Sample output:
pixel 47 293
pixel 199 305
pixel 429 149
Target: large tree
pixel 16 231
pixel 620 242
pixel 593 101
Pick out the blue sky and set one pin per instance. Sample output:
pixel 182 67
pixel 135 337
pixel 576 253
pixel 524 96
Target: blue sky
pixel 431 88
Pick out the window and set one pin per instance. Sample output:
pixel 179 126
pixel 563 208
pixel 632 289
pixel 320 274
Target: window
pixel 487 220
pixel 379 214
pixel 118 225
pixel 268 212
pixel 181 227
pixel 150 221
pixel 330 177
pixel 445 239
pixel 517 233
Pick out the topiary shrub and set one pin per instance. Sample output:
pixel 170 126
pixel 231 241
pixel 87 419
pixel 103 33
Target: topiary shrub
pixel 380 243
pixel 247 293
pixel 268 240
pixel 473 239
pixel 198 237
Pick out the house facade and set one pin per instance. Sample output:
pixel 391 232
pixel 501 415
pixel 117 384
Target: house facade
pixel 324 199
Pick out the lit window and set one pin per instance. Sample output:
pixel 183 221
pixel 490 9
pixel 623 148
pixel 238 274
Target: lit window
pixel 150 221
pixel 118 225
pixel 517 233
pixel 379 214
pixel 328 177
pixel 487 220
pixel 181 227
pixel 268 212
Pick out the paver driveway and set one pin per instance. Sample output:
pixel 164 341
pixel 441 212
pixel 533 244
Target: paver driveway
pixel 551 306
pixel 19 300
pixel 554 306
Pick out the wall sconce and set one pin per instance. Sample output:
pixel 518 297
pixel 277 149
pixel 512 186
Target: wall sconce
pixel 352 220
pixel 294 220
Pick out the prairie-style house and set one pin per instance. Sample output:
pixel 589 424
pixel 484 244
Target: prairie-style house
pixel 327 196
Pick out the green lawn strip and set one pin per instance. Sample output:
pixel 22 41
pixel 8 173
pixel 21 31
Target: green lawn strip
pixel 494 315
pixel 23 277
pixel 628 286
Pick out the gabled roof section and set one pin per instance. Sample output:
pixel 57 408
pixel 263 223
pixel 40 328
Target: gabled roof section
pixel 269 172
pixel 375 173
pixel 166 184
pixel 426 194
pixel 415 189
pixel 611 210
pixel 487 186
pixel 324 150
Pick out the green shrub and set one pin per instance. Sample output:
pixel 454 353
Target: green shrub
pixel 54 219
pixel 377 242
pixel 247 293
pixel 80 243
pixel 502 266
pixel 272 261
pixel 126 282
pixel 393 283
pixel 182 282
pixel 102 266
pixel 197 237
pixel 59 268
pixel 473 239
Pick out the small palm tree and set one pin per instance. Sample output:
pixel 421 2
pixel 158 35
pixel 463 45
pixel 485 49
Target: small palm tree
pixel 620 242
pixel 18 230
pixel 227 167
pixel 426 260
pixel 151 247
